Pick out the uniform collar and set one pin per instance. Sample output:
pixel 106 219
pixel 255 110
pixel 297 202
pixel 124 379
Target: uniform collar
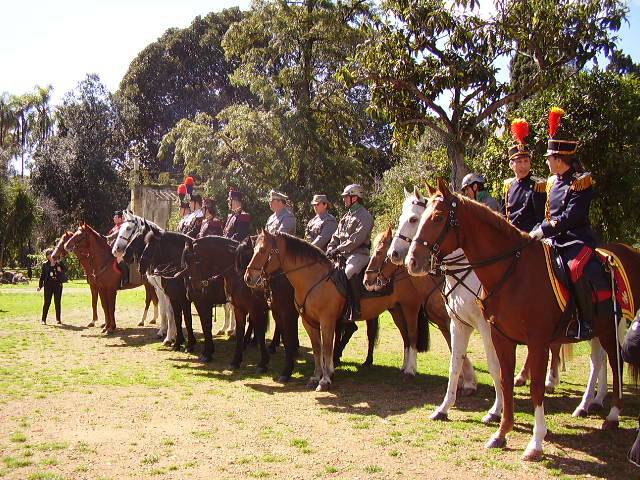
pixel 322 215
pixel 525 178
pixel 482 195
pixel 355 207
pixel 568 174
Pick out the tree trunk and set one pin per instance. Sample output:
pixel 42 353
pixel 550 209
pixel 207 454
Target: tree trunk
pixel 455 153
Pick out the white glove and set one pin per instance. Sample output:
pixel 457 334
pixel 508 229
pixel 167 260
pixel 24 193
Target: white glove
pixel 536 233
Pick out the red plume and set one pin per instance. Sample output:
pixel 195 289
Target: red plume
pixel 555 115
pixel 182 189
pixel 520 130
pixel 189 183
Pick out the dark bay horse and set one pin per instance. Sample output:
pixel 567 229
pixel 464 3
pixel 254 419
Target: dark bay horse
pixel 520 310
pixel 211 259
pixel 101 270
pixel 318 300
pixel 162 255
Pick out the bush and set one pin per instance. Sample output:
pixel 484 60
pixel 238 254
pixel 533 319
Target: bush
pixel 74 269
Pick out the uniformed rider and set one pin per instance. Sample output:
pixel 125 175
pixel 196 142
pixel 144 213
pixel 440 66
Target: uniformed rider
pixel 524 194
pixel 566 223
pixel 238 221
pixel 193 222
pixel 473 187
pixel 211 225
pixel 320 228
pixel 282 219
pixel 352 240
pixel 118 220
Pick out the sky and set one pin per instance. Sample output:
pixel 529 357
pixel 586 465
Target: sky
pixel 57 42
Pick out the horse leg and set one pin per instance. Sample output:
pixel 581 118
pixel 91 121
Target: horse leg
pixel 147 302
pixel 523 375
pixel 105 308
pixel 188 320
pixel 177 320
pixel 111 305
pixel 204 312
pixel 460 335
pixel 494 370
pixel 248 339
pixel 94 305
pixel 601 358
pixel 275 341
pixel 259 332
pixel 608 342
pixel 410 314
pixel 171 322
pixel 344 331
pixel 241 320
pixel 327 331
pixel 154 300
pixel 314 335
pixel 582 410
pixel 553 375
pixel 506 352
pixel 538 359
pixel 373 327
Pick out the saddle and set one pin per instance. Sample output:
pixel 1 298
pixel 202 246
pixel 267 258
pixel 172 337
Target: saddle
pixel 339 278
pixel 559 278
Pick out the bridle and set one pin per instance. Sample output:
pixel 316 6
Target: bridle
pixel 133 232
pixel 383 280
pixel 419 203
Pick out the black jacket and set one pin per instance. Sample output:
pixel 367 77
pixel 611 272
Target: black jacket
pixel 49 275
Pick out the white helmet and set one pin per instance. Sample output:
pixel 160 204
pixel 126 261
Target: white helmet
pixel 470 179
pixel 353 189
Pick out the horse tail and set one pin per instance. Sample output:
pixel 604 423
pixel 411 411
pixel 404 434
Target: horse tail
pixel 634 374
pixel 566 354
pixel 424 335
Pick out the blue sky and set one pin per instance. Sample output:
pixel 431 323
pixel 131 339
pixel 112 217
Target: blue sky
pixel 58 42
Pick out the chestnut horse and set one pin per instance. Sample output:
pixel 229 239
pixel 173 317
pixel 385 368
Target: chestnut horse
pixel 517 301
pixel 101 270
pixel 320 303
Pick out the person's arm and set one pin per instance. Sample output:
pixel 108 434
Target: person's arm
pixel 358 237
pixel 43 275
pixel 576 214
pixel 288 224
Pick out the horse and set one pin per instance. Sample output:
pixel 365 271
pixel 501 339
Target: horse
pixel 523 310
pixel 162 255
pixel 210 259
pixel 307 268
pixel 167 328
pixel 101 270
pixel 461 293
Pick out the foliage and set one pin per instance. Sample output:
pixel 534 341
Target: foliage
pixel 182 73
pixel 609 135
pixel 74 268
pixel 435 67
pixel 80 168
pixel 19 217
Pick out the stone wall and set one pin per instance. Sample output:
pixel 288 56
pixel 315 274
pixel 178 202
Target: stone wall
pixel 155 203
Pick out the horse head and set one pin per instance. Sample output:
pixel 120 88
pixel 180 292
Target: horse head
pixel 380 271
pixel 265 260
pixel 148 258
pixel 412 209
pixel 59 251
pixel 78 241
pixel 437 233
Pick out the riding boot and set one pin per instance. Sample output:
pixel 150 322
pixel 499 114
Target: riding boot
pixel 124 278
pixel 354 298
pixel 584 301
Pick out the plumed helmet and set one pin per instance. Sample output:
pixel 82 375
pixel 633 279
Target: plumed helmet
pixel 520 132
pixel 353 189
pixel 189 182
pixel 560 142
pixel 471 178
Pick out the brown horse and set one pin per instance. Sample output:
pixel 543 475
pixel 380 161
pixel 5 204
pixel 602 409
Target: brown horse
pixel 427 289
pixel 517 300
pixel 318 300
pixel 100 268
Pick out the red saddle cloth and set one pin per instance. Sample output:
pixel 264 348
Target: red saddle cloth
pixel 624 298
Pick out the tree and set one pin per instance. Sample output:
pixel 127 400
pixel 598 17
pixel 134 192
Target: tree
pixel 435 67
pixel 19 217
pixel 182 73
pixel 81 168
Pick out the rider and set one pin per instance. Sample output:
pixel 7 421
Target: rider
pixel 524 195
pixel 194 221
pixel 566 223
pixel 185 210
pixel 473 187
pixel 352 240
pixel 211 225
pixel 282 219
pixel 118 220
pixel 321 227
pixel 238 221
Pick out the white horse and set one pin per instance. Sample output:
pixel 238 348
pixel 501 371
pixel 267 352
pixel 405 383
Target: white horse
pixel 466 316
pixel 133 226
pixel 460 295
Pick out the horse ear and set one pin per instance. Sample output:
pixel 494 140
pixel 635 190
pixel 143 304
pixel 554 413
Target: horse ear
pixel 443 187
pixel 416 193
pixel 406 193
pixel 431 190
pixel 389 231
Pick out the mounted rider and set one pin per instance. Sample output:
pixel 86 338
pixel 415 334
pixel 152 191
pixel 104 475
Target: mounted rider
pixel 566 223
pixel 185 210
pixel 473 187
pixel 320 228
pixel 282 219
pixel 238 221
pixel 211 225
pixel 352 241
pixel 118 220
pixel 524 195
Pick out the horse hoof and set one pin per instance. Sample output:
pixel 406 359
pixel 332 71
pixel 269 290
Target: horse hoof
pixel 204 358
pixel 312 383
pixel 323 387
pixel 152 322
pixel 219 332
pixel 406 376
pixel 440 416
pixel 141 324
pixel 580 413
pixel 491 418
pixel 91 324
pixel 336 362
pixel 467 392
pixel 532 455
pixel 103 325
pixel 595 407
pixel 496 442
pixel 189 348
pixel 284 379
pixel 549 389
pixel 176 347
pixel 367 363
pixel 520 382
pixel 610 424
pixel 261 369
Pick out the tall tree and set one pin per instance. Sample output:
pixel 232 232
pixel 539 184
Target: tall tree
pixel 182 73
pixel 19 217
pixel 434 65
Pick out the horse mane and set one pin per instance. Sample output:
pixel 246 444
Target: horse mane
pixel 302 250
pixel 88 228
pixel 490 217
pixel 244 253
pixel 379 239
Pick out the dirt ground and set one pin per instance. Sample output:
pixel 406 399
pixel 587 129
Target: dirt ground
pixel 77 405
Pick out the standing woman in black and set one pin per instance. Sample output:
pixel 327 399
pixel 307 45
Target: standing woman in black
pixel 52 276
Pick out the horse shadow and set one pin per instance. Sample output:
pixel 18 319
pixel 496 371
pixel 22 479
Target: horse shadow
pixel 129 337
pixel 72 328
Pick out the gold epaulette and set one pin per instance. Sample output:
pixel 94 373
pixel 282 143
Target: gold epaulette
pixel 507 185
pixel 550 181
pixel 582 182
pixel 539 184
